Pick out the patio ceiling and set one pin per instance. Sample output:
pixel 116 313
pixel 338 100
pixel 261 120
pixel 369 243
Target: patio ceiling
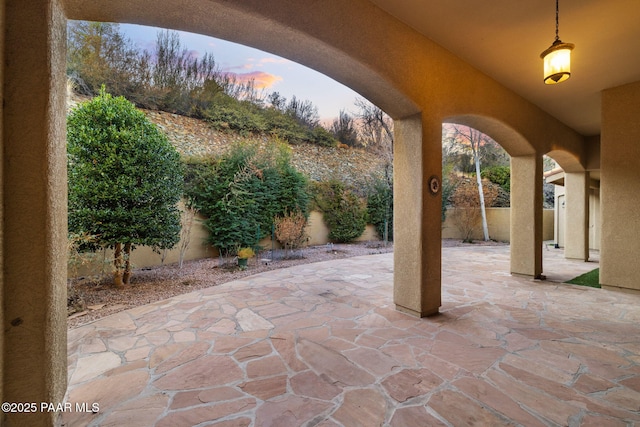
pixel 504 38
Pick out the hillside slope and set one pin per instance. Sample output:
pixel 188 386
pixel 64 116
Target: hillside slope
pixel 193 137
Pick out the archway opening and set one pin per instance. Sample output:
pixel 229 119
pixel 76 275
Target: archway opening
pixel 577 204
pixel 378 125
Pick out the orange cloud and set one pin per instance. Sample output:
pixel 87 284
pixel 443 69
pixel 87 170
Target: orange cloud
pixel 261 79
pixel 273 61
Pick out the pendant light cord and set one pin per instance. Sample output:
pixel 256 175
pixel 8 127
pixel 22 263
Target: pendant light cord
pixel 557 38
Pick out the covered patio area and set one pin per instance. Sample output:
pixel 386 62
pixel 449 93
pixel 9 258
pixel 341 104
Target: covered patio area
pixel 322 345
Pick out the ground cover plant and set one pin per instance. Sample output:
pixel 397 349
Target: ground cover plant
pixel 591 279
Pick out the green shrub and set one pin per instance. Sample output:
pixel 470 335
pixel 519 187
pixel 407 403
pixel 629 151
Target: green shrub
pixel 125 179
pixel 500 175
pixel 242 191
pixel 380 207
pixel 344 213
pixel 321 136
pixel 227 113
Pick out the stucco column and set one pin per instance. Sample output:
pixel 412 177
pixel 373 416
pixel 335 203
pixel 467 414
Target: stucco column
pixel 526 215
pixel 619 187
pixel 417 216
pixel 35 206
pixel 576 234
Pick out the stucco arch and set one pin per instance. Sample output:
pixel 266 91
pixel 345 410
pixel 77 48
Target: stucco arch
pixel 398 69
pixel 568 161
pixel 263 25
pixel 417 82
pixel 511 140
pixel 412 78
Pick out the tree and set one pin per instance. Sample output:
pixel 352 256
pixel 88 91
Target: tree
pixel 125 180
pixel 343 129
pixel 303 111
pixel 99 54
pixel 178 75
pixel 376 133
pixel 475 140
pixel 376 128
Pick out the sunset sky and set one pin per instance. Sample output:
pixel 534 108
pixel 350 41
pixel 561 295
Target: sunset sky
pixel 269 71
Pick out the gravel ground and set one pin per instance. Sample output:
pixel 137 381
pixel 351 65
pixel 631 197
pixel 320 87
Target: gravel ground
pixel 158 283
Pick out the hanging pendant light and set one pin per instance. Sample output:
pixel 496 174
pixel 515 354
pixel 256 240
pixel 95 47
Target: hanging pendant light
pixel 557 59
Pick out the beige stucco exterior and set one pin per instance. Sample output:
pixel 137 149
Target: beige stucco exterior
pixel 498 220
pixel 198 248
pixel 34 199
pixel 561 215
pixel 499 224
pixel 420 84
pixel 620 186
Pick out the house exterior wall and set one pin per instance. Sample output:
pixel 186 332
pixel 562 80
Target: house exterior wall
pixel 594 217
pixel 34 209
pixel 620 186
pixel 354 42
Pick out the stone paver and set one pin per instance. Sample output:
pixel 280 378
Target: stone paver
pixel 322 345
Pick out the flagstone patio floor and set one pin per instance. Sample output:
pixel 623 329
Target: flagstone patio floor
pixel 322 345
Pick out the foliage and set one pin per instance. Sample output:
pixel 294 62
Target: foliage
pixel 246 253
pixel 344 213
pixel 460 145
pixel 376 127
pixel 304 112
pixel 187 218
pixel 79 253
pixel 177 75
pixel 244 117
pixel 449 183
pixel 380 207
pixel 125 178
pixel 500 175
pixel 98 54
pixel 467 214
pixel 172 79
pixel 228 113
pixel 344 130
pixel 242 191
pixel 290 229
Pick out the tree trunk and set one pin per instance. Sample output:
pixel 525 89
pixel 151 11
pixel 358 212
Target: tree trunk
pixel 127 264
pixel 117 264
pixel 485 228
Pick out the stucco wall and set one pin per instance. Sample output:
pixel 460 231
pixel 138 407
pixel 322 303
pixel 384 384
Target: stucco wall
pixel 198 248
pixel 594 217
pixel 34 203
pixel 620 186
pixel 498 222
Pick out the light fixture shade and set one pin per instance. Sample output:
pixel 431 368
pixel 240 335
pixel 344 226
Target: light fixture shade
pixel 557 62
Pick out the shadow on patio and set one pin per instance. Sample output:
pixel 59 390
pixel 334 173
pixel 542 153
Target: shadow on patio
pixel 321 344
